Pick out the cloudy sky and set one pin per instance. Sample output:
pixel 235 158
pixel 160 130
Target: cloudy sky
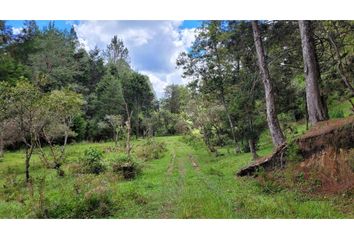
pixel 153 45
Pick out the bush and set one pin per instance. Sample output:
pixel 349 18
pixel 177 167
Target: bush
pixel 126 166
pixel 181 127
pixel 246 148
pixel 151 149
pixel 96 203
pixel 293 152
pixel 193 140
pixel 92 161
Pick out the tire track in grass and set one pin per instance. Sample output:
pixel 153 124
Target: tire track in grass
pixel 210 193
pixel 188 192
pixel 173 185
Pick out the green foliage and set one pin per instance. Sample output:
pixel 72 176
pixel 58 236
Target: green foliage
pixel 109 96
pixel 151 149
pixel 95 203
pixel 336 113
pixel 92 161
pixel 79 127
pixel 293 153
pixel 126 166
pixel 210 191
pixel 194 140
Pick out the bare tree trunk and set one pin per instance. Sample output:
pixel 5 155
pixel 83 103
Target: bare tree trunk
pixel 306 114
pixel 315 105
pixel 115 138
pixel 128 146
pixel 29 151
pixel 62 153
pixel 1 144
pixel 272 119
pixel 252 145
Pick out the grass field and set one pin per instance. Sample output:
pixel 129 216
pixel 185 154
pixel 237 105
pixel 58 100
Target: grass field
pixel 187 182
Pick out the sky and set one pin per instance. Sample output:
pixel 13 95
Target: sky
pixel 153 45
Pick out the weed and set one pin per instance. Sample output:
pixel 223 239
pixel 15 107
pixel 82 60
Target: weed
pixel 213 171
pixel 92 161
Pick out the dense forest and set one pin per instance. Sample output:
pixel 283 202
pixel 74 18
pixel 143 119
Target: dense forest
pixel 254 87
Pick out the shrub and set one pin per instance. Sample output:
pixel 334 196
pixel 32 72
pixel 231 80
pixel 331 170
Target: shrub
pixel 96 203
pixel 126 166
pixel 151 149
pixel 246 148
pixel 92 161
pixel 194 140
pixel 12 188
pixel 293 152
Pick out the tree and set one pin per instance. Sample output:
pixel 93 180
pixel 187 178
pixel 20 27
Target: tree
pixel 315 104
pixel 272 119
pixel 341 39
pixel 26 109
pixel 53 65
pixel 206 117
pixel 115 123
pixel 139 97
pixel 3 115
pixel 212 68
pixel 60 109
pixel 116 52
pixel 109 96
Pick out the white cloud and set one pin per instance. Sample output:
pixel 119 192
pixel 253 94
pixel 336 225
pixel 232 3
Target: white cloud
pixel 16 30
pixel 153 45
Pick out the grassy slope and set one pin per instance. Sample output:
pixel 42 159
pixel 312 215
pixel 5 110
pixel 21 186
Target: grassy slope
pixel 185 183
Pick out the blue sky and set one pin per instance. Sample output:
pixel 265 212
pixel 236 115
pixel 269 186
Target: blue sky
pixel 153 45
pixel 66 24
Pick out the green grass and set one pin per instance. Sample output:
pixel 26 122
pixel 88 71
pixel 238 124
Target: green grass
pixel 186 182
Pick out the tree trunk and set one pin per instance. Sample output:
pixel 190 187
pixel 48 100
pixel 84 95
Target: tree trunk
pixel 128 146
pixel 315 105
pixel 272 119
pixel 1 145
pixel 237 146
pixel 27 163
pixel 115 135
pixel 206 134
pixel 306 114
pixel 252 145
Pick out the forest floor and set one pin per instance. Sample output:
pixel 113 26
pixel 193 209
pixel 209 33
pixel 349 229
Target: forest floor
pixel 187 182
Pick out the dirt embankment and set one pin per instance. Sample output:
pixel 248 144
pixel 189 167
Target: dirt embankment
pixel 327 152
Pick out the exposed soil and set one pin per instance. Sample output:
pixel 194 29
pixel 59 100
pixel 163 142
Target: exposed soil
pixel 327 150
pixel 331 169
